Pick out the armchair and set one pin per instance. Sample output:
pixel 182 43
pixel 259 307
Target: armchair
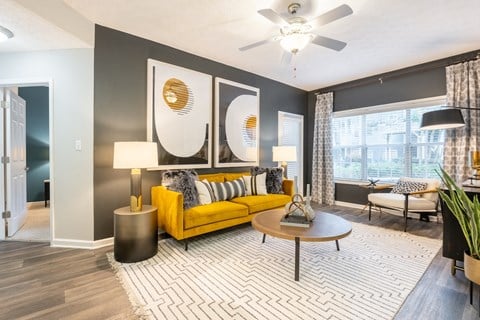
pixel 414 195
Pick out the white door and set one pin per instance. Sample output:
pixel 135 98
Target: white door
pixel 15 163
pixel 290 133
pixel 3 231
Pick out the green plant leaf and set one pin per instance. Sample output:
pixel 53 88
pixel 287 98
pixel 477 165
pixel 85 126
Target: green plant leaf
pixel 465 210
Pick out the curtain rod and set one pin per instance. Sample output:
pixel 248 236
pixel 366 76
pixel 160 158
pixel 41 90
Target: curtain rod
pixel 469 56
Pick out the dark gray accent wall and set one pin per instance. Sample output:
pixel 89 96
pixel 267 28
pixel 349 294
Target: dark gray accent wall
pixel 37 136
pixel 416 82
pixel 418 85
pixel 120 78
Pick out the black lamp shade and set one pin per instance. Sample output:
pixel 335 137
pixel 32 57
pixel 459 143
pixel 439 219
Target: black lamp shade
pixel 442 119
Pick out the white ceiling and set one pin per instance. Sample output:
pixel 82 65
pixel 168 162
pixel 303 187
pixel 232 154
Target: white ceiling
pixel 382 35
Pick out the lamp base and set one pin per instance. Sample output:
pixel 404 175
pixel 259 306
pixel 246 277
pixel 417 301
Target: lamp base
pixel 284 166
pixel 136 190
pixel 136 203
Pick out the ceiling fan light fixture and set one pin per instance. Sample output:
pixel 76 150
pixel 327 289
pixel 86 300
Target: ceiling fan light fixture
pixel 5 34
pixel 296 42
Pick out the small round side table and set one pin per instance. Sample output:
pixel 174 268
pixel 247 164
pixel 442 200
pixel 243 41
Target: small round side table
pixel 135 234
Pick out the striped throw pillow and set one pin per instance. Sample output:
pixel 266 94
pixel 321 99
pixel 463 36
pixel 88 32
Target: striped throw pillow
pixel 205 192
pixel 256 185
pixel 228 190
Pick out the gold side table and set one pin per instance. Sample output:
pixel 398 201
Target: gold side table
pixel 135 234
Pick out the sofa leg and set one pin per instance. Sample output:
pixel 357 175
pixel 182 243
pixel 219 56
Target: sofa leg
pixel 186 244
pixel 263 239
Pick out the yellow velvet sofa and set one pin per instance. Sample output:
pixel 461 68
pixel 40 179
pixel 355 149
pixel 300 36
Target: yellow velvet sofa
pixel 184 224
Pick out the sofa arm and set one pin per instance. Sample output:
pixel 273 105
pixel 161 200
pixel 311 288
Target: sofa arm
pixel 288 187
pixel 170 210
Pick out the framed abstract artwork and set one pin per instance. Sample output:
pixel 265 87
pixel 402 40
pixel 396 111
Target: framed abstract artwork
pixel 179 115
pixel 237 119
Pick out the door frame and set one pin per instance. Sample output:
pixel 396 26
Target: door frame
pixel 33 82
pixel 301 117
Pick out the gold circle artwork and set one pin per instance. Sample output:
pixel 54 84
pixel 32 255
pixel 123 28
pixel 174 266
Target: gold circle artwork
pixel 175 94
pixel 251 127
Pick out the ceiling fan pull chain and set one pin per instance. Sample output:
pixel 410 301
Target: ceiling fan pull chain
pixel 294 66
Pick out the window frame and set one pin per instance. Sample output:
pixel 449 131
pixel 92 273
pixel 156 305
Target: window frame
pixel 363 111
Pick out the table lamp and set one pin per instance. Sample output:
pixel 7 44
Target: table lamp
pixel 283 154
pixel 135 155
pixel 475 163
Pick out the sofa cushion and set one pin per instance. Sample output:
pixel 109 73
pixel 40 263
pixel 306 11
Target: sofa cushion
pixel 229 176
pixel 264 202
pixel 214 212
pixel 228 190
pixel 212 177
pixel 432 184
pixel 397 200
pixel 256 185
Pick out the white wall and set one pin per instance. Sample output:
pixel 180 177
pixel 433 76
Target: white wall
pixel 72 171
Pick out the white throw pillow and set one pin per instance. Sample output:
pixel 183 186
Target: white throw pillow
pixel 204 192
pixel 256 185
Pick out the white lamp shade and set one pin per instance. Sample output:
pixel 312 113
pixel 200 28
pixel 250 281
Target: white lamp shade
pixel 284 153
pixel 135 155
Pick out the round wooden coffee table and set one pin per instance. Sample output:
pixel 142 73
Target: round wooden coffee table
pixel 325 227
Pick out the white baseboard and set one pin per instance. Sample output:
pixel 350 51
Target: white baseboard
pixel 35 204
pixel 81 244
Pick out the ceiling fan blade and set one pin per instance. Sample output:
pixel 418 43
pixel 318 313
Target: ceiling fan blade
pixel 332 15
pixel 254 45
pixel 329 43
pixel 272 16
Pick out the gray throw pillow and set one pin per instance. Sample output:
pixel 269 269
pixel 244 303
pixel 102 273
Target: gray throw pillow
pixel 274 178
pixel 182 181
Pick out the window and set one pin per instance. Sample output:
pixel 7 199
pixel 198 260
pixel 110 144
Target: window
pixel 385 142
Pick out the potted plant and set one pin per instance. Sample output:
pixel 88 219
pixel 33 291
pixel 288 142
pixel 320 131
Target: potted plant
pixel 467 213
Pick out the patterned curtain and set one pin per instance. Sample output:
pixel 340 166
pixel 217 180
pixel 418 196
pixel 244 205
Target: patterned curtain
pixel 323 187
pixel 463 90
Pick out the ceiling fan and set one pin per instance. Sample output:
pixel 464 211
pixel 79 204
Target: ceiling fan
pixel 295 32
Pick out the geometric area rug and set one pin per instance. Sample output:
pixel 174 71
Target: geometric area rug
pixel 231 275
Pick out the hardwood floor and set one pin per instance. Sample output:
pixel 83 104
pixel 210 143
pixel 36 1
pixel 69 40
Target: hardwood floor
pixel 438 295
pixel 40 282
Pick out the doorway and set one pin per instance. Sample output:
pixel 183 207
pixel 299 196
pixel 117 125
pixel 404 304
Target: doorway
pixel 290 133
pixel 37 223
